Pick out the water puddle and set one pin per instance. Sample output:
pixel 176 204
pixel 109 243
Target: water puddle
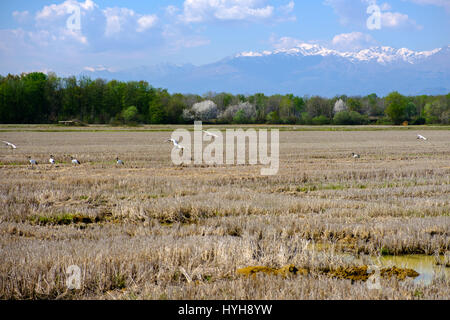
pixel 425 265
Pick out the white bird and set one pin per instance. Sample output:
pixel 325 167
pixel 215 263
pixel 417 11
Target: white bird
pixel 32 161
pixel 119 161
pixel 354 155
pixel 419 136
pixel 210 134
pixel 176 145
pixel 52 160
pixel 74 161
pixel 9 144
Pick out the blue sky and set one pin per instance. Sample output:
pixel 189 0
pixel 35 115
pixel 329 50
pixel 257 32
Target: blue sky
pixel 119 34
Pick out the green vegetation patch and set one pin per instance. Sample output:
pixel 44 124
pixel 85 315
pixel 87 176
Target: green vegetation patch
pixel 65 219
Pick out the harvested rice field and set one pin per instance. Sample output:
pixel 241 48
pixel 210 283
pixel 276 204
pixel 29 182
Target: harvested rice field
pixel 326 226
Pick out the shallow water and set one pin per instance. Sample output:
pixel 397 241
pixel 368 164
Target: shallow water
pixel 425 265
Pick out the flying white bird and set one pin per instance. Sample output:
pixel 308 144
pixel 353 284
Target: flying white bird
pixel 74 161
pixel 354 155
pixel 119 161
pixel 52 160
pixel 9 144
pixel 210 134
pixel 419 136
pixel 32 161
pixel 176 145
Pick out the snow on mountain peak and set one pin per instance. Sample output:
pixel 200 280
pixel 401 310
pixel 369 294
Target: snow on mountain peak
pixel 381 55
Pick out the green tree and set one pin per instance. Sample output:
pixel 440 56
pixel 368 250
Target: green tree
pixel 354 104
pixel 396 106
pixel 317 106
pixel 429 112
pixel 157 106
pixel 130 115
pixel 175 108
pixel 410 110
pixel 273 117
pixel 240 117
pixel 34 107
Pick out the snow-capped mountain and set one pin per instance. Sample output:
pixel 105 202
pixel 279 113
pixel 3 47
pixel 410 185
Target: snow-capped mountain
pixel 378 54
pixel 305 69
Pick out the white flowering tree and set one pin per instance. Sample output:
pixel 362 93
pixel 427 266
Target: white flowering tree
pixel 339 106
pixel 205 111
pixel 242 112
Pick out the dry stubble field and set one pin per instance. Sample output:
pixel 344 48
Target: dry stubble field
pixel 153 230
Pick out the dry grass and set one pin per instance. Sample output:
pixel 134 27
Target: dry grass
pixel 136 230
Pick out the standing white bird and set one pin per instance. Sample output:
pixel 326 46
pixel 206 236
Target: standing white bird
pixel 176 145
pixel 74 161
pixel 354 155
pixel 419 136
pixel 32 161
pixel 118 161
pixel 9 144
pixel 210 134
pixel 52 160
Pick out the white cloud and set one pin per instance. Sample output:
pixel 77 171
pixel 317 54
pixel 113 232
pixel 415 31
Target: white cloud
pixel 352 41
pixel 57 10
pixel 119 20
pixel 106 35
pixel 284 42
pixel 72 34
pixel 195 11
pixel 351 12
pixel 396 19
pixel 52 19
pixel 116 18
pixel 288 8
pixel 98 68
pixel 146 22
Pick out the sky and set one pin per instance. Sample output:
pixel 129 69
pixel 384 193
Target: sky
pixel 70 36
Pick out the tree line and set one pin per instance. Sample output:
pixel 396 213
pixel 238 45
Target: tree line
pixel 40 98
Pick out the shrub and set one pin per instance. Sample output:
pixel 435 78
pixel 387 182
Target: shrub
pixel 350 118
pixel 273 117
pixel 305 118
pixel 418 121
pixel 342 117
pixel 320 120
pixel 130 114
pixel 384 121
pixel 240 117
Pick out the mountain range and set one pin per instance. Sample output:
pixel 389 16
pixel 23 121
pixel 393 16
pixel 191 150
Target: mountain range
pixel 307 69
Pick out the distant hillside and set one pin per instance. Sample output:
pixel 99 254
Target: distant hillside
pixel 305 69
